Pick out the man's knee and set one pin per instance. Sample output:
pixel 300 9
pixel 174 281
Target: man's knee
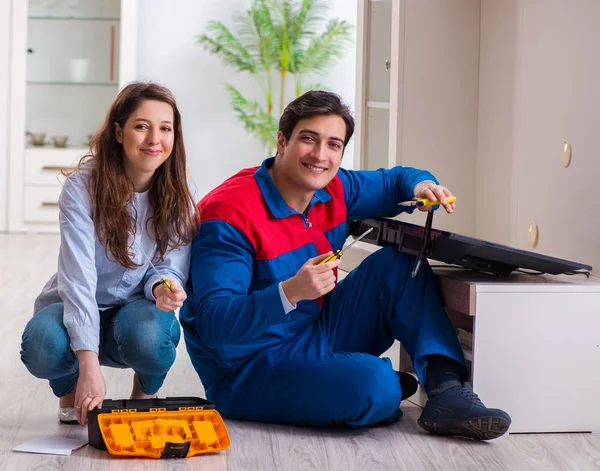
pixel 374 389
pixel 45 346
pixel 148 343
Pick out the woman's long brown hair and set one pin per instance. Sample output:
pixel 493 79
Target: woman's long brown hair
pixel 173 223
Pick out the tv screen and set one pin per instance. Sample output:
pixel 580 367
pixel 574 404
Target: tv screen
pixel 456 249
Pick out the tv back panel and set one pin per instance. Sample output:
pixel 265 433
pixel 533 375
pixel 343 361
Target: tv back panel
pixel 456 249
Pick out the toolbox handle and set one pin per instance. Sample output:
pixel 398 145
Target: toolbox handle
pixel 175 450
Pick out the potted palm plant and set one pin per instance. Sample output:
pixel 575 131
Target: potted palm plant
pixel 276 41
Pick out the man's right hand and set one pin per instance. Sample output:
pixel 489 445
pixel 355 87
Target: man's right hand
pixel 91 386
pixel 312 280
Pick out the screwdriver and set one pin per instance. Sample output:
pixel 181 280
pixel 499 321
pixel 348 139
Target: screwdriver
pixel 338 253
pixel 162 280
pixel 421 202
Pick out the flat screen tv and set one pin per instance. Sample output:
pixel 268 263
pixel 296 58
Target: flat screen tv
pixel 460 250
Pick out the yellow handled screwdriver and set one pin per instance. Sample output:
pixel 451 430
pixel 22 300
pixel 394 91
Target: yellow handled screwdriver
pixel 423 202
pixel 162 280
pixel 338 253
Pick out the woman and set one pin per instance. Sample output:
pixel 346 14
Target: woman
pixel 106 305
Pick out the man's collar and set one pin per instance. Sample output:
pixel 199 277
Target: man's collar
pixel 275 202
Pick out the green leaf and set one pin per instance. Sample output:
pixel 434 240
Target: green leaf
pixel 257 32
pixel 221 42
pixel 254 118
pixel 325 49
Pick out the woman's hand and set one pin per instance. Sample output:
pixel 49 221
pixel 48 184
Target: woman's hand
pixel 169 300
pixel 91 386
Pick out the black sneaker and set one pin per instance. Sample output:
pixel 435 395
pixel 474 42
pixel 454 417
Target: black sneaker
pixel 408 384
pixel 458 411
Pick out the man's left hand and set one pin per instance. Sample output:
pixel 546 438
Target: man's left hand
pixel 434 192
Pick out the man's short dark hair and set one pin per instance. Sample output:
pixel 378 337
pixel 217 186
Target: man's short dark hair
pixel 315 103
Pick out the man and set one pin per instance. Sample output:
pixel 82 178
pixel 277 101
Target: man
pixel 272 334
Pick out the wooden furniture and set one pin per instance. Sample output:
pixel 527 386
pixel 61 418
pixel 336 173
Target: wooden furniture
pixel 68 61
pixel 500 100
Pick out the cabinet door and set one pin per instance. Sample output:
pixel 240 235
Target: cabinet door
pixel 375 69
pixel 440 94
pixel 560 100
pixel 377 138
pixel 379 47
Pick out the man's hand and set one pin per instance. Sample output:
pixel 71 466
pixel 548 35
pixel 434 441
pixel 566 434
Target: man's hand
pixel 312 280
pixel 91 387
pixel 434 192
pixel 169 300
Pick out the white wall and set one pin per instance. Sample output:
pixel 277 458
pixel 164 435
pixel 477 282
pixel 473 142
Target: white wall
pixel 168 53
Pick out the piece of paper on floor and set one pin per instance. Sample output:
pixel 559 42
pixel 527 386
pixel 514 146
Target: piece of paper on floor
pixel 51 445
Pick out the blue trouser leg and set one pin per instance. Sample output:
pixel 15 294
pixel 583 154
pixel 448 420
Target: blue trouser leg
pixel 332 373
pixel 141 337
pixel 46 351
pixel 380 301
pixel 136 336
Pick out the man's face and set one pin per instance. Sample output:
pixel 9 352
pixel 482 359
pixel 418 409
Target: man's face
pixel 313 154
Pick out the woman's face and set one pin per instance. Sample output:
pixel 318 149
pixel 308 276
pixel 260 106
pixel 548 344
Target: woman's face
pixel 147 138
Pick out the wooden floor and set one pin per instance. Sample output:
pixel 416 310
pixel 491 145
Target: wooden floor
pixel 28 410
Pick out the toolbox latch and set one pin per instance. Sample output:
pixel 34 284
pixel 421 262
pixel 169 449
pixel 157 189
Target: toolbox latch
pixel 175 450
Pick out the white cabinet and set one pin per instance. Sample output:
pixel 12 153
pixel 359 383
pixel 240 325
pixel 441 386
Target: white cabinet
pixel 534 344
pixel 485 94
pixel 68 61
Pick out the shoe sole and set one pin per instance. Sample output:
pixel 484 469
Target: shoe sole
pixel 68 422
pixel 481 428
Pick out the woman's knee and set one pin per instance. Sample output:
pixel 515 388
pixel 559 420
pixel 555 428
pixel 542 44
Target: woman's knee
pixel 148 341
pixel 45 344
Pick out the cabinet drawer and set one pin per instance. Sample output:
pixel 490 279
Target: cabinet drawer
pixel 43 165
pixel 41 203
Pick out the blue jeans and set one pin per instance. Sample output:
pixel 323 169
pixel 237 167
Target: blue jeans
pixel 136 335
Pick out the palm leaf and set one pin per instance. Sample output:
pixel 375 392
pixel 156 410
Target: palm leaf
pixel 282 14
pixel 255 119
pixel 221 42
pixel 307 19
pixel 322 50
pixel 258 34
